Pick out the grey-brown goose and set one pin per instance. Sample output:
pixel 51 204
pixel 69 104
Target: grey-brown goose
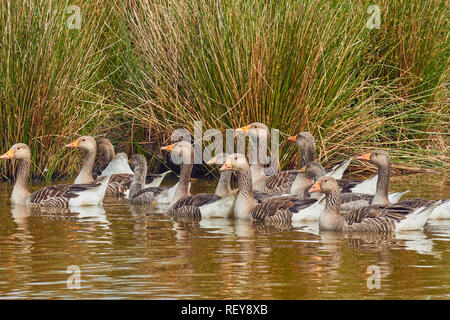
pixel 350 200
pixel 87 144
pixel 279 210
pixel 382 160
pixel 374 218
pixel 63 195
pixel 196 206
pixel 280 182
pixel 139 193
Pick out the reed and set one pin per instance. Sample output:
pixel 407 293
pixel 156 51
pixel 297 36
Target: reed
pixel 53 79
pixel 296 65
pixel 137 69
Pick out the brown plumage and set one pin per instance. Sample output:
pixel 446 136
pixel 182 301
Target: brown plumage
pixel 276 209
pixel 53 196
pixel 374 218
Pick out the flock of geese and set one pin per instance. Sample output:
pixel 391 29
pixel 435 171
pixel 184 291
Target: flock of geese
pixel 310 193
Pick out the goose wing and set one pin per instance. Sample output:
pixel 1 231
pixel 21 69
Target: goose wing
pixel 147 195
pixel 346 185
pixel 281 182
pixel 60 191
pixel 273 210
pixel 190 206
pixel 415 203
pixel 395 212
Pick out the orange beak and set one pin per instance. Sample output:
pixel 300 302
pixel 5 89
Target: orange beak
pixel 292 138
pixel 302 169
pixel 365 157
pixel 73 144
pixel 168 148
pixel 226 166
pixel 315 188
pixel 243 129
pixel 8 155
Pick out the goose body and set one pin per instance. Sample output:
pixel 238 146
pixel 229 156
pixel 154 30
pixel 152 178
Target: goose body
pixel 314 170
pixel 139 192
pixel 374 218
pixel 63 195
pixel 185 205
pixel 273 209
pixel 382 160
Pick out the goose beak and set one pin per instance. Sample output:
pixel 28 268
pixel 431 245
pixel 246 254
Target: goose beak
pixel 8 155
pixel 292 138
pixel 243 129
pixel 73 144
pixel 168 148
pixel 315 188
pixel 365 157
pixel 226 166
pixel 302 169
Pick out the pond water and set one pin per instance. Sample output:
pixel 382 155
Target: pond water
pixel 123 251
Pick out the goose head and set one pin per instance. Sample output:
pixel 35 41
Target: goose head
pixel 181 150
pixel 105 149
pixel 84 143
pixel 235 162
pixel 137 160
pixel 304 140
pixel 325 185
pixel 19 151
pixel 380 158
pixel 256 130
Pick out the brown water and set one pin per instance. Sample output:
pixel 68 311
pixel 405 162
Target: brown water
pixel 138 252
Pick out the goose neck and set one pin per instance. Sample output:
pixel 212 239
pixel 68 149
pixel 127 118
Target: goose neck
pixel 182 190
pixel 138 183
pixel 85 175
pixel 381 193
pixel 20 191
pixel 223 186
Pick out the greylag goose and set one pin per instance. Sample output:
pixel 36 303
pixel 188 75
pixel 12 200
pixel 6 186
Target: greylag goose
pixel 63 195
pixel 117 183
pixel 314 170
pixel 280 182
pixel 307 145
pixel 139 193
pixel 374 218
pixel 276 209
pixel 382 160
pixel 184 204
